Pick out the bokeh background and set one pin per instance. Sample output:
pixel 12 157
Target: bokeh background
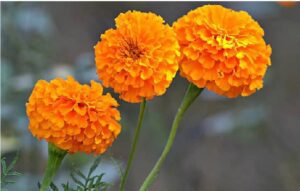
pixel 223 144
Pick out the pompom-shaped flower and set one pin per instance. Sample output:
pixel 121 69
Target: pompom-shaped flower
pixel 223 50
pixel 287 3
pixel 139 58
pixel 72 116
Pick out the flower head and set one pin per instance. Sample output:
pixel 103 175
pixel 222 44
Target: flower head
pixel 72 116
pixel 139 58
pixel 288 3
pixel 222 50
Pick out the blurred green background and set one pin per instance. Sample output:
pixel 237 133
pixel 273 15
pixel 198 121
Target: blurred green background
pixel 247 144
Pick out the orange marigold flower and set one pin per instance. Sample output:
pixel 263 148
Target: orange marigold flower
pixel 288 3
pixel 139 58
pixel 222 50
pixel 72 116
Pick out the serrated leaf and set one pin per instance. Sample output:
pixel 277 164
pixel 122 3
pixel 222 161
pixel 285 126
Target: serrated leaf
pixel 13 174
pixel 6 171
pixel 66 187
pixel 94 166
pixel 79 173
pixel 3 165
pixel 91 181
pixel 12 164
pixel 53 187
pixel 99 177
pixel 76 180
pixel 10 181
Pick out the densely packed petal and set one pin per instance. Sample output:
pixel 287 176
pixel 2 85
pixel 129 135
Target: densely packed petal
pixel 139 58
pixel 222 50
pixel 72 116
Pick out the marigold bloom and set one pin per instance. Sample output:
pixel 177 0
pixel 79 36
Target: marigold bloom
pixel 72 116
pixel 287 3
pixel 139 58
pixel 223 50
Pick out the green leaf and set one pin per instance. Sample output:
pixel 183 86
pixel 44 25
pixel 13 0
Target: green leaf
pixel 94 166
pixel 79 173
pixel 13 174
pixel 66 187
pixel 53 187
pixel 7 171
pixel 12 164
pixel 76 180
pixel 10 181
pixel 3 165
pixel 91 183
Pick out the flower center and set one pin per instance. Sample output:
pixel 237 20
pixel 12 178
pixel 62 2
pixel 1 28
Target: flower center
pixel 226 41
pixel 81 105
pixel 131 49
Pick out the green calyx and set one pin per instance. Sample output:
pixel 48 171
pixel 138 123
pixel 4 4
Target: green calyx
pixel 56 155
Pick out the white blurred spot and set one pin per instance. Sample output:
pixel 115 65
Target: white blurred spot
pixel 227 121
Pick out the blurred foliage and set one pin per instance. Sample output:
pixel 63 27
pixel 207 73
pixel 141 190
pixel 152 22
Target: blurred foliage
pixel 7 172
pixel 219 139
pixel 84 183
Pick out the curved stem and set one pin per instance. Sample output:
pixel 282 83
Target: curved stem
pixel 56 155
pixel 190 96
pixel 134 144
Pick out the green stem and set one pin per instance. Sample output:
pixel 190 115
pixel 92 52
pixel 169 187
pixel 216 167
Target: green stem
pixel 190 96
pixel 56 155
pixel 134 144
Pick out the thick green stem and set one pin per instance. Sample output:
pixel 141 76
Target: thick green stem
pixel 190 96
pixel 56 155
pixel 134 144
